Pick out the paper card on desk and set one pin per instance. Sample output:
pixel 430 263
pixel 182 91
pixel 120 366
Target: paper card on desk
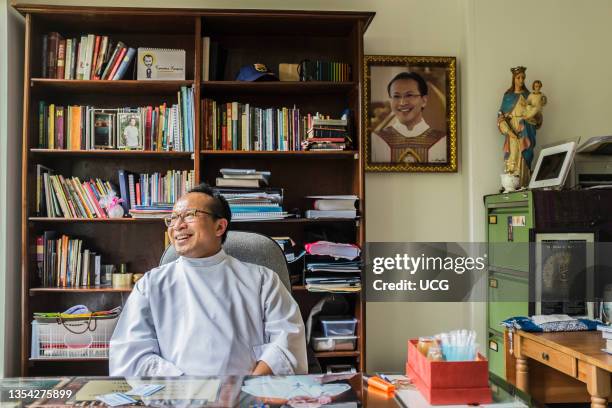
pixel 93 388
pixel 145 389
pixel 185 389
pixel 115 399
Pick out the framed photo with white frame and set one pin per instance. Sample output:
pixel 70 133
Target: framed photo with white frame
pixel 129 131
pixel 562 277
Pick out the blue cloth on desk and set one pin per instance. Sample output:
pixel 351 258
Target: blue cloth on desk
pixel 527 324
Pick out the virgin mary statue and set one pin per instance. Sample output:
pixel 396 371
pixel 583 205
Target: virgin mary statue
pixel 518 124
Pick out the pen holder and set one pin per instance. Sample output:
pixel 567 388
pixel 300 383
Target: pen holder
pixel 122 280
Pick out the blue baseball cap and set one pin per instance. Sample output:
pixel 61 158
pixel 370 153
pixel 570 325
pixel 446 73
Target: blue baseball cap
pixel 255 72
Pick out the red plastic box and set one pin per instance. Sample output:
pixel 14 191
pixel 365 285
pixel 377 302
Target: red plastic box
pixel 449 382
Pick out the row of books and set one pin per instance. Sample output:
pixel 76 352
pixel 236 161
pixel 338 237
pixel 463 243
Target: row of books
pixel 59 197
pixel 317 70
pixel 145 195
pixel 238 126
pixel 63 261
pixel 89 57
pixel 158 128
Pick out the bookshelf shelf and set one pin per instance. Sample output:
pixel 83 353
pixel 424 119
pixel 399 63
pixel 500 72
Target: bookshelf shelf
pixel 266 154
pixel 214 88
pixel 108 87
pixel 38 291
pixel 331 354
pixel 67 360
pixel 97 220
pixel 112 153
pixel 302 288
pixel 290 37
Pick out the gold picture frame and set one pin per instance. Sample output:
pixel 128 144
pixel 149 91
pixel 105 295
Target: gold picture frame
pixel 410 114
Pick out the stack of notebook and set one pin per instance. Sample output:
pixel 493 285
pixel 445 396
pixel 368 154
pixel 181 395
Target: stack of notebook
pixel 333 206
pixel 332 267
pixel 254 204
pixel 243 178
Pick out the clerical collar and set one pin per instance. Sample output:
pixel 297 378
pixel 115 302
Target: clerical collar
pixel 208 261
pixel 417 130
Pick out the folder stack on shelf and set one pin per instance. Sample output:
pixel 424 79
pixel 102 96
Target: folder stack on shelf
pixel 332 267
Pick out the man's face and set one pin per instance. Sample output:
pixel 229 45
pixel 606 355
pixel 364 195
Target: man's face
pixel 407 102
pixel 202 237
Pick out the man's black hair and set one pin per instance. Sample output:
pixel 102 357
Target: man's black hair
pixel 409 75
pixel 219 206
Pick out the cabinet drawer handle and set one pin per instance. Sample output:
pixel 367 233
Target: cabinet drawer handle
pixel 545 356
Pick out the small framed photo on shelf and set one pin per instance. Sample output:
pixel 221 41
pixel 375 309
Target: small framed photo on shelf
pixel 103 129
pixel 130 132
pixel 562 275
pixel 410 113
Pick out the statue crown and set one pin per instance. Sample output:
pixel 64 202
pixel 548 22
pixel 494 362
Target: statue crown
pixel 518 70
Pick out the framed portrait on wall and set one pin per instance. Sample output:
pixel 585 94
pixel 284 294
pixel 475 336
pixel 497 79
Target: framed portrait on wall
pixel 410 113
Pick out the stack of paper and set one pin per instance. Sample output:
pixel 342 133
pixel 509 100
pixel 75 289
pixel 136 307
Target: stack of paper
pixel 333 206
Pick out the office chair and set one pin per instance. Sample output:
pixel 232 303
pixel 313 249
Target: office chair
pixel 258 249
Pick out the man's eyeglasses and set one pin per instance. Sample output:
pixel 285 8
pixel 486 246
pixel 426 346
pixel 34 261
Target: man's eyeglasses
pixel 188 216
pixel 410 97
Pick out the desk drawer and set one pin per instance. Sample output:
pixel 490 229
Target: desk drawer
pixel 549 356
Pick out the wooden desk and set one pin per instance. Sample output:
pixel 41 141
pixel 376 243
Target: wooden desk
pixel 578 355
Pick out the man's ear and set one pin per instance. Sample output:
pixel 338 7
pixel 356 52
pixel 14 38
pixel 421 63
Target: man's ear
pixel 221 227
pixel 424 103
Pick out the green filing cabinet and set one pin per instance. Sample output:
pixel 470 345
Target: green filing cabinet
pixel 509 219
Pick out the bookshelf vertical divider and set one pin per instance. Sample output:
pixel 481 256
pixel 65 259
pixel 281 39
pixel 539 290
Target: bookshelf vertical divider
pixel 246 37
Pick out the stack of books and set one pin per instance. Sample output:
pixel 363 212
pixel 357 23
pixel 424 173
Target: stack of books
pixel 156 210
pixel 91 56
pixel 243 178
pixel 254 204
pixel 152 195
pixel 166 127
pixel 333 206
pixel 64 262
pixel 332 267
pixel 327 134
pixel 59 197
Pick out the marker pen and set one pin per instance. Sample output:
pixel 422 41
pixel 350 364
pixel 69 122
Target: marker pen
pixel 377 382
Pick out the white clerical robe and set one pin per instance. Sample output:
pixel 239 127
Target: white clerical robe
pixel 208 316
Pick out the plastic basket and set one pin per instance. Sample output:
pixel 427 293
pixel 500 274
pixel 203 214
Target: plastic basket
pixel 72 338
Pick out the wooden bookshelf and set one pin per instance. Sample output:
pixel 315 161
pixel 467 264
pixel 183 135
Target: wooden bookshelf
pixel 247 36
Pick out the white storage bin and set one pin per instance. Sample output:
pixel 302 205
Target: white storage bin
pixel 338 343
pixel 338 326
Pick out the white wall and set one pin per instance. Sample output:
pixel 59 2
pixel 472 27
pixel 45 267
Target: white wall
pixel 11 89
pixel 562 42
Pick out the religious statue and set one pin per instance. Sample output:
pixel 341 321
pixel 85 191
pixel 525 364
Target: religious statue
pixel 519 117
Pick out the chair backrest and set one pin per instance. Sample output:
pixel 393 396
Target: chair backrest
pixel 248 247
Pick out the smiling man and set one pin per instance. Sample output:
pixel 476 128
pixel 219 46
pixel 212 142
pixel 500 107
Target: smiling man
pixel 407 137
pixel 207 313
